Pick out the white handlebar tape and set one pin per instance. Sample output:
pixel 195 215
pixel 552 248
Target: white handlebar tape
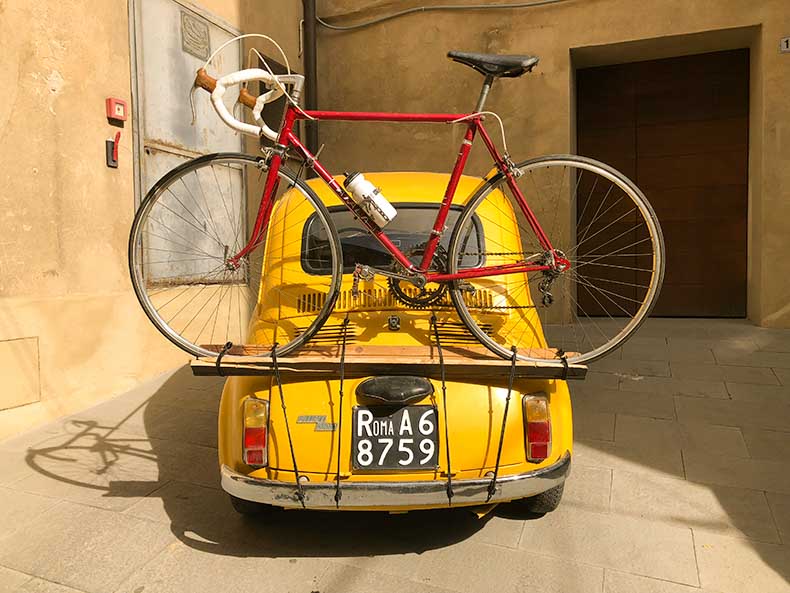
pixel 239 77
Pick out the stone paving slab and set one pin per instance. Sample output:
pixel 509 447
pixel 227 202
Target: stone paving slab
pixel 82 472
pixel 12 467
pixel 83 547
pixel 783 375
pixel 478 567
pixel 690 345
pixel 759 393
pixel 596 380
pixel 11 581
pixel 588 488
pixel 720 470
pixel 680 484
pixel 736 512
pixel 183 504
pixel 639 348
pixel 19 508
pixel 767 444
pixel 36 585
pixel 637 431
pixel 761 359
pixel 770 415
pixel 780 507
pixel 773 340
pixel 621 582
pixel 179 567
pixel 719 372
pixel 729 564
pixel 674 386
pixel 640 459
pixel 341 578
pixel 652 405
pixel 615 541
pixel 598 426
pixel 502 528
pixel 653 368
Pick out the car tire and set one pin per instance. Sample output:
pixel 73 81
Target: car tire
pixel 543 503
pixel 249 508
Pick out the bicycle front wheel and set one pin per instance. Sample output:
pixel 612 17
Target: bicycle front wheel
pixel 594 217
pixel 186 274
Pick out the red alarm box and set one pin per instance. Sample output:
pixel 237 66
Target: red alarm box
pixel 116 109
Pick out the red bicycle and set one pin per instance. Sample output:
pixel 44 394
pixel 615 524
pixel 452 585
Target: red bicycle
pixel 559 251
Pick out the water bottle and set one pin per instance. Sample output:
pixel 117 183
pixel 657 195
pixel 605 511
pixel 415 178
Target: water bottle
pixel 369 198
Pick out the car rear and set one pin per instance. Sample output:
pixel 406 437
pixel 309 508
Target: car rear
pixel 386 442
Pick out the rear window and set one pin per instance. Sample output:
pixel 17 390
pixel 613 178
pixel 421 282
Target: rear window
pixel 411 227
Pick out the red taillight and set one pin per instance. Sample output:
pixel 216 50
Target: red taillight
pixel 537 427
pixel 255 438
pixel 254 457
pixel 256 420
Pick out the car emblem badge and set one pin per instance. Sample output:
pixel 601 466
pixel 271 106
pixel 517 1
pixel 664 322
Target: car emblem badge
pixel 321 425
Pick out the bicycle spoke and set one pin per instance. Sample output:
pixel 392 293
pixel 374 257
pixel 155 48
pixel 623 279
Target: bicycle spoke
pixel 197 228
pixel 185 236
pixel 186 243
pixel 233 228
pixel 183 291
pixel 205 202
pixel 615 221
pixel 584 309
pixel 208 206
pixel 175 197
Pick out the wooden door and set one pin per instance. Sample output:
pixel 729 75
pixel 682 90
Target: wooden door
pixel 679 128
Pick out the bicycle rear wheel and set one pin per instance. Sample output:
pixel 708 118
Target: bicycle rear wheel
pixel 596 218
pixel 181 248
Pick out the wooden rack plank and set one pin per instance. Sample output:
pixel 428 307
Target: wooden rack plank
pixel 466 362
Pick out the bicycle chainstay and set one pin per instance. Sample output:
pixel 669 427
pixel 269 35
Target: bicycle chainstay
pixel 365 272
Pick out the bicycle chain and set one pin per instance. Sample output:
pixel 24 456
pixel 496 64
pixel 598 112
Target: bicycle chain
pixel 495 253
pixel 452 307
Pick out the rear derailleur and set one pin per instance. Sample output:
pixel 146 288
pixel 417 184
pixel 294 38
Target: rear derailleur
pixel 559 264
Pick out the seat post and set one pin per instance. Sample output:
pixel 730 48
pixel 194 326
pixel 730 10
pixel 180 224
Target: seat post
pixel 481 100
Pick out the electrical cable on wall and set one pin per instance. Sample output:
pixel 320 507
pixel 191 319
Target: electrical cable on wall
pixel 444 7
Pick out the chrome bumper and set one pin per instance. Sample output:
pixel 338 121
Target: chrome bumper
pixel 383 495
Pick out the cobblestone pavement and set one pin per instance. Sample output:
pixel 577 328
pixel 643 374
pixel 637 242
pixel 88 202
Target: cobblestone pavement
pixel 681 484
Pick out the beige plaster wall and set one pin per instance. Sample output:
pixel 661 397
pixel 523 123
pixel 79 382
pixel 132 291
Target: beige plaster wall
pixel 401 65
pixel 71 331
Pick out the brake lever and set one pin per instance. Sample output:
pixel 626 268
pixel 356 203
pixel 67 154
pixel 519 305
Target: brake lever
pixel 192 104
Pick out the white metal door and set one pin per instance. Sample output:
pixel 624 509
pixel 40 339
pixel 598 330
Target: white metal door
pixel 172 40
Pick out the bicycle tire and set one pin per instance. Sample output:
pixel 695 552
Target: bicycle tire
pixel 136 257
pixel 482 331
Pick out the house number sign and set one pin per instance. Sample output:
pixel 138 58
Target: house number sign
pixel 784 45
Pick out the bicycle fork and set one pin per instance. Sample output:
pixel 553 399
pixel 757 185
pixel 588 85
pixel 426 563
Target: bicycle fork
pixel 264 212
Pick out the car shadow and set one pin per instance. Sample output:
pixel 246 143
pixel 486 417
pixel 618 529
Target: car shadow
pixel 156 447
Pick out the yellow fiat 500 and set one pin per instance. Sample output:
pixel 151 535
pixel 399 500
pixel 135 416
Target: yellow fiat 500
pixel 326 438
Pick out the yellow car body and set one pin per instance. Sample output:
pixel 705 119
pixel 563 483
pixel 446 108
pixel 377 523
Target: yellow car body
pixel 474 409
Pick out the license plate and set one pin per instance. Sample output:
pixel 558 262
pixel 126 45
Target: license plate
pixel 395 438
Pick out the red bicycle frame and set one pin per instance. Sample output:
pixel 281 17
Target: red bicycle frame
pixel 288 139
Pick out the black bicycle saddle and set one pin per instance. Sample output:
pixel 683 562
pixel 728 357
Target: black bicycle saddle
pixel 495 65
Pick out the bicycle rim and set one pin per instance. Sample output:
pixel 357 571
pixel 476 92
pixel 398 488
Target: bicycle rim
pixel 181 247
pixel 600 221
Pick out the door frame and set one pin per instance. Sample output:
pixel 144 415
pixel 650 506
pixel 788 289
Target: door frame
pixel 683 45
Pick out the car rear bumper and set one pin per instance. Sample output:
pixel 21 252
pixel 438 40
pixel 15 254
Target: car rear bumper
pixel 384 495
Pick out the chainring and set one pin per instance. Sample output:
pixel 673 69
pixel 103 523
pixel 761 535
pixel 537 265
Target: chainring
pixel 419 298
